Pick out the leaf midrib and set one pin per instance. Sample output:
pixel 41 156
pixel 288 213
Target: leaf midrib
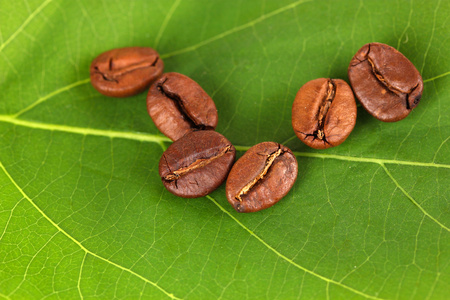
pixel 144 137
pixel 160 140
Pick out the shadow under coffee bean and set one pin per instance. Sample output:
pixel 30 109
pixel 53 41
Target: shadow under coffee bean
pixel 196 164
pixel 261 177
pixel 385 82
pixel 125 72
pixel 178 105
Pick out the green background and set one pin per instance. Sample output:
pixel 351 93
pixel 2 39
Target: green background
pixel 83 213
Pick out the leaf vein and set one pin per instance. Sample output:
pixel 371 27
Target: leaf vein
pixel 87 251
pixel 24 24
pixel 5 296
pixel 145 137
pixel 431 36
pixel 25 274
pixel 285 258
pixel 439 148
pixel 235 29
pixel 166 21
pixel 437 77
pixel 412 199
pixel 50 95
pixel 9 218
pixel 79 276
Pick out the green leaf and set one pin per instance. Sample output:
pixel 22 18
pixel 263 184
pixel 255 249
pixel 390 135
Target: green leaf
pixel 83 213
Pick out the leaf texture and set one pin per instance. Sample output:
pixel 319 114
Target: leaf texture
pixel 83 213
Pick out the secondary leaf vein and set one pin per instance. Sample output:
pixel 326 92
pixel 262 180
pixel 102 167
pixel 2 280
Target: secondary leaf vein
pixel 166 21
pixel 235 29
pixel 24 24
pixel 76 241
pixel 50 95
pixel 412 199
pixel 437 77
pixel 79 276
pixel 290 261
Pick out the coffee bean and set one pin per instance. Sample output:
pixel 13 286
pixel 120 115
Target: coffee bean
pixel 261 177
pixel 385 82
pixel 324 113
pixel 196 164
pixel 178 105
pixel 126 71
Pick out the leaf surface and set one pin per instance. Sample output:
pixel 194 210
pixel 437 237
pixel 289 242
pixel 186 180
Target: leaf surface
pixel 83 213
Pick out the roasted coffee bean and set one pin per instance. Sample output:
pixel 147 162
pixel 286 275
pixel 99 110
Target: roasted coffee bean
pixel 196 164
pixel 126 71
pixel 324 113
pixel 261 177
pixel 385 82
pixel 178 105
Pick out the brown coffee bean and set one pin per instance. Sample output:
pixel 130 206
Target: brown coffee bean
pixel 385 82
pixel 261 177
pixel 126 71
pixel 324 113
pixel 196 164
pixel 178 105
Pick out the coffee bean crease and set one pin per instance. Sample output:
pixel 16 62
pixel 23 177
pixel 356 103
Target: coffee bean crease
pixel 124 72
pixel 179 102
pixel 270 159
pixel 410 95
pixel 196 164
pixel 390 88
pixel 112 74
pixel 261 177
pixel 324 109
pixel 322 113
pixel 199 163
